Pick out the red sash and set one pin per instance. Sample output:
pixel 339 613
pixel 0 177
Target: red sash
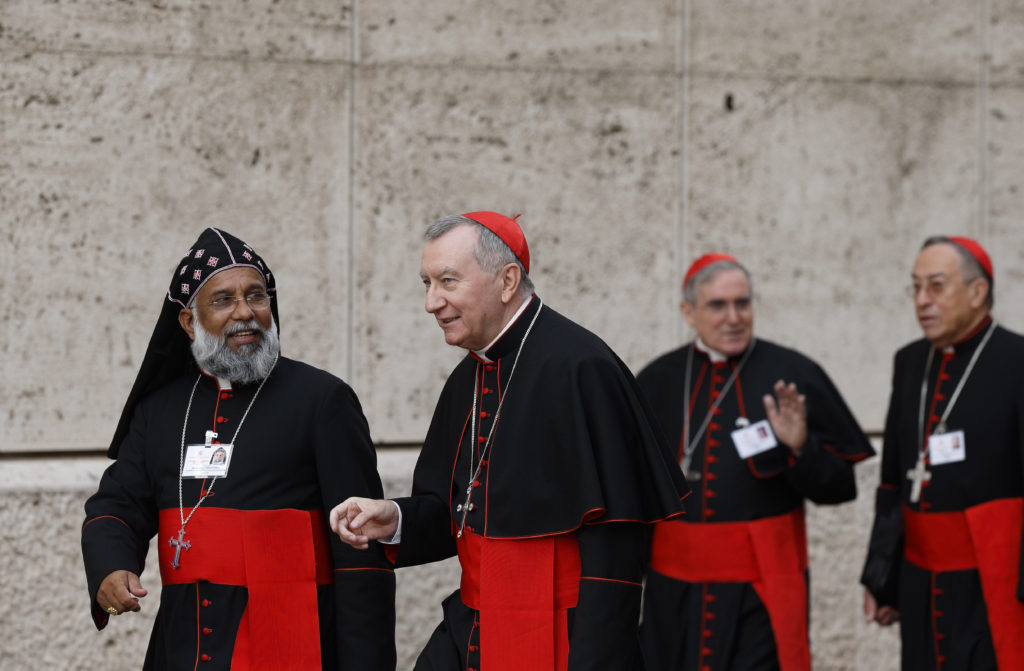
pixel 769 553
pixel 280 556
pixel 522 588
pixel 985 537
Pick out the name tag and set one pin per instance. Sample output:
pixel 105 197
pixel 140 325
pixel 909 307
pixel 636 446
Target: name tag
pixel 754 439
pixel 946 448
pixel 207 461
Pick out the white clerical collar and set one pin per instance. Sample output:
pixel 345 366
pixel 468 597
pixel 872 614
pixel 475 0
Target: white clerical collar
pixel 223 384
pixel 714 355
pixel 482 352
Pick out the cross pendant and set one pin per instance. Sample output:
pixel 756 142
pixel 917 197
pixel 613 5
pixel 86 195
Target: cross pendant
pixel 918 475
pixel 178 543
pixel 691 476
pixel 464 508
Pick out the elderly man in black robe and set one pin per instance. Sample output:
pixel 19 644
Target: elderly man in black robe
pixel 252 578
pixel 945 552
pixel 541 469
pixel 759 428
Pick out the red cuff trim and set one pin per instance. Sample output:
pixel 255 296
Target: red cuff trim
pixel 623 582
pixel 104 517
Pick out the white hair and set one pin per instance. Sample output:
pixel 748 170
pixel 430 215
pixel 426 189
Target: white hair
pixel 250 363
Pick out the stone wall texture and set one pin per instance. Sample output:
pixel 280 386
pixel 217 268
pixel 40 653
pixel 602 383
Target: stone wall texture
pixel 818 140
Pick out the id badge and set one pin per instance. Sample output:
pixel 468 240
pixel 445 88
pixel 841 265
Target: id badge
pixel 947 448
pixel 754 439
pixel 207 461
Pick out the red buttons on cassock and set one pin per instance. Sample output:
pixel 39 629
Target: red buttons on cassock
pixel 221 420
pixel 207 631
pixel 206 658
pixel 206 603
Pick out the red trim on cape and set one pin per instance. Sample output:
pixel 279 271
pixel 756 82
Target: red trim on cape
pixel 769 553
pixel 522 589
pixel 280 556
pixel 985 537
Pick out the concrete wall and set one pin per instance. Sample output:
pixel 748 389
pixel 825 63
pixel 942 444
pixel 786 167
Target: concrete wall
pixel 818 140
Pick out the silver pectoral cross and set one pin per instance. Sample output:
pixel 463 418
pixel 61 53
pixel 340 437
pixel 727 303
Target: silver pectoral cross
pixel 918 476
pixel 178 543
pixel 464 508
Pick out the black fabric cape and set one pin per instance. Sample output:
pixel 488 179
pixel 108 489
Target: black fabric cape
pixel 305 445
pixel 575 449
pixel 769 484
pixel 990 411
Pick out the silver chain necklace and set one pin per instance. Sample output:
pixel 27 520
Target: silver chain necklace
pixel 941 426
pixel 690 445
pixel 919 474
pixel 464 508
pixel 180 543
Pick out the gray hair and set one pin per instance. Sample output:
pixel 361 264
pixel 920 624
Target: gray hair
pixel 491 252
pixel 970 267
pixel 708 273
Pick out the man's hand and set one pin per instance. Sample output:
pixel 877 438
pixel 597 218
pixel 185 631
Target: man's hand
pixel 884 616
pixel 789 417
pixel 357 521
pixel 121 590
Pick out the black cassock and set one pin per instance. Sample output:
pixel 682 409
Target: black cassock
pixel 713 624
pixel 575 457
pixel 944 620
pixel 303 447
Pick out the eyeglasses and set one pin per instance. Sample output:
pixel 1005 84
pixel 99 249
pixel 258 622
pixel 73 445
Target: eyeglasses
pixel 256 301
pixel 934 288
pixel 720 306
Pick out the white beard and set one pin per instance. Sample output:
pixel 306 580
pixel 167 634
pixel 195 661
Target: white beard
pixel 250 363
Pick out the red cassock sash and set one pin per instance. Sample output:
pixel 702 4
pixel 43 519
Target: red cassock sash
pixel 280 556
pixel 769 553
pixel 985 537
pixel 522 588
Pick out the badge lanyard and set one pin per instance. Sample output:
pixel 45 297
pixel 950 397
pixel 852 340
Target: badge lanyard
pixel 941 426
pixel 690 445
pixel 180 543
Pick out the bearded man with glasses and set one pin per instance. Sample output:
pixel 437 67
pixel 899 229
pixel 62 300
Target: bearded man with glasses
pixel 230 453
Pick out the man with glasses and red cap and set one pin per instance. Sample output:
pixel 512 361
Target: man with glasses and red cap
pixel 945 551
pixel 230 454
pixel 758 428
pixel 541 470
